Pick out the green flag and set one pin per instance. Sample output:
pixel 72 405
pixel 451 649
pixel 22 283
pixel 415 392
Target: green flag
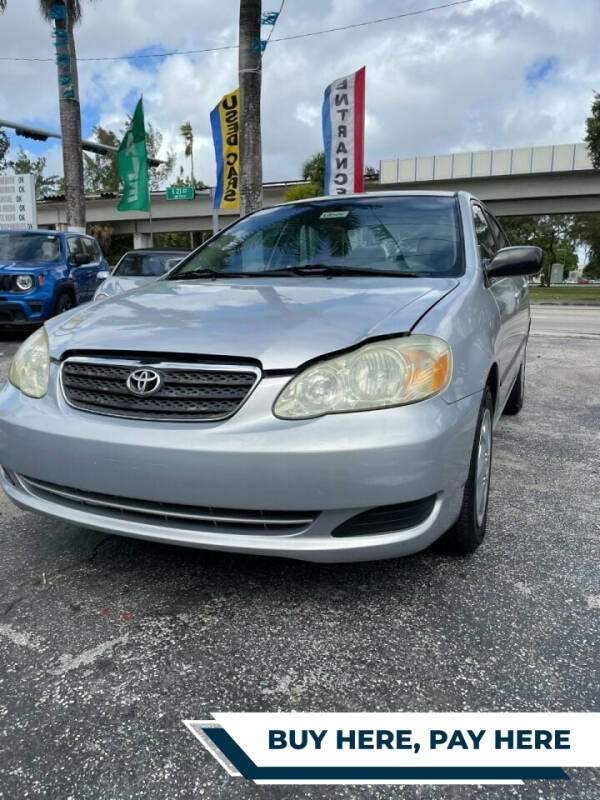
pixel 132 161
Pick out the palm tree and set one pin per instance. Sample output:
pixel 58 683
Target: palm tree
pixel 250 73
pixel 70 112
pixel 188 137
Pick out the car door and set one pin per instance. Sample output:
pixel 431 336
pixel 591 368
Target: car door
pixel 97 262
pixel 77 272
pixel 502 291
pixel 517 329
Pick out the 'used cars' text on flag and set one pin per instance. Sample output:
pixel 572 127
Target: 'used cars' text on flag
pixel 132 162
pixel 343 134
pixel 225 124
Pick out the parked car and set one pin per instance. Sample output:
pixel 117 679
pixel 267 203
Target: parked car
pixel 44 273
pixel 136 268
pixel 321 381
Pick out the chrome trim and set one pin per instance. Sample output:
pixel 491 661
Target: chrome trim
pixel 81 497
pixel 185 366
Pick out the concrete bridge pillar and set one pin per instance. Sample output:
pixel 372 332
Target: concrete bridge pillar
pixel 141 240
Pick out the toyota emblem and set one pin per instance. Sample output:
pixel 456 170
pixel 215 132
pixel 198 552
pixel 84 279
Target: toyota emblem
pixel 144 382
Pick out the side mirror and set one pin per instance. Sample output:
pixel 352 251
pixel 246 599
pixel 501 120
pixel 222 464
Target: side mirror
pixel 79 259
pixel 513 261
pixel 102 274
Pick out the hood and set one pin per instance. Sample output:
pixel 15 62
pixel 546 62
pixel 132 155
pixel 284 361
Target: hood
pixel 282 322
pixel 117 285
pixel 21 266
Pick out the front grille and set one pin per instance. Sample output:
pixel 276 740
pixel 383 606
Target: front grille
pixel 12 312
pixel 386 519
pixel 183 517
pixel 188 392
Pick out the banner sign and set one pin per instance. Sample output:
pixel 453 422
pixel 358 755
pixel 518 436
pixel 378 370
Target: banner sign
pixel 225 124
pixel 284 748
pixel 132 163
pixel 344 134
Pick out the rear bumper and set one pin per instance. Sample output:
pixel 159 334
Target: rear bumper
pixel 337 466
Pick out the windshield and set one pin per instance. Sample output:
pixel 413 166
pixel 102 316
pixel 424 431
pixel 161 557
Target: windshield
pixel 148 265
pixel 34 247
pixel 410 234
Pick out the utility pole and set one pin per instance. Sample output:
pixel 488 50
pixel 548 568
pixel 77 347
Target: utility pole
pixel 250 75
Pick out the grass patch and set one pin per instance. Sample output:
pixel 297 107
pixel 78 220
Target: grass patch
pixel 540 293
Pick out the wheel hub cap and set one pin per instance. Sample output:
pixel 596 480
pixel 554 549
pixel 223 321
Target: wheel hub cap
pixel 484 464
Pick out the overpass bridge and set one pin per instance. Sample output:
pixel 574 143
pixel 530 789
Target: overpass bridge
pixel 553 179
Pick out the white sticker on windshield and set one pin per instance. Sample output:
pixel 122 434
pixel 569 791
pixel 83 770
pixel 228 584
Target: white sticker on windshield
pixel 334 214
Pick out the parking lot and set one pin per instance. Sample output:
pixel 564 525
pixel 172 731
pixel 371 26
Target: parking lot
pixel 107 643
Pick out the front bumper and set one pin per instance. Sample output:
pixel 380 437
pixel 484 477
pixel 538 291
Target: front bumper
pixel 338 465
pixel 28 308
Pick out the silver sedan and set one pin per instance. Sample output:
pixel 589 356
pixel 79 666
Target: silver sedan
pixel 320 381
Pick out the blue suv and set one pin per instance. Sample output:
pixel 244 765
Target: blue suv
pixel 43 273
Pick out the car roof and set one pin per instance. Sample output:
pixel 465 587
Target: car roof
pixel 363 195
pixel 43 231
pixel 157 251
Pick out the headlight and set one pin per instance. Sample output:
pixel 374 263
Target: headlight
pixel 30 368
pixel 24 282
pixel 391 372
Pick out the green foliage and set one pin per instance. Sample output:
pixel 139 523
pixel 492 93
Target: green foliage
pixel 313 170
pixel 24 165
pixel 100 171
pixel 587 229
pixel 301 192
pixel 592 136
pixel 175 239
pixel 554 234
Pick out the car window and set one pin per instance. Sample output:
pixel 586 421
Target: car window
pixel 500 239
pixel 74 246
pixel 147 265
pixel 33 247
pixel 89 246
pixel 413 233
pixel 485 236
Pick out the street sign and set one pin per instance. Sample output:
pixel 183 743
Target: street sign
pixel 180 193
pixel 17 202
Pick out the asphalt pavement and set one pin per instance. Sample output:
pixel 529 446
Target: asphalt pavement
pixel 569 321
pixel 107 643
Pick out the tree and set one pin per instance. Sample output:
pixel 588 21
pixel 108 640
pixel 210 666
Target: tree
pixel 70 112
pixel 25 165
pixel 188 137
pixel 101 174
pixel 592 126
pixel 4 148
pixel 250 74
pixel 554 234
pixel 586 228
pixel 313 172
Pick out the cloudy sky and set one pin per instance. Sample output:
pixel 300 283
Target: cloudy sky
pixel 490 73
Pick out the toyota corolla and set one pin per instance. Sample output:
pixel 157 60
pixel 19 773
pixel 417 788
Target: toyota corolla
pixel 321 381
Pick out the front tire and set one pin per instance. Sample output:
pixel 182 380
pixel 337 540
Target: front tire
pixel 63 303
pixel 468 531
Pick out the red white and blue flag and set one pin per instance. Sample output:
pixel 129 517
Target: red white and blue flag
pixel 344 133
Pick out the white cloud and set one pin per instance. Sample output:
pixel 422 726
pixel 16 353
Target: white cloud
pixel 440 82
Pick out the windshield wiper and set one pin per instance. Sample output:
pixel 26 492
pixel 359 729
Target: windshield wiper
pixel 191 274
pixel 307 269
pixel 329 269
